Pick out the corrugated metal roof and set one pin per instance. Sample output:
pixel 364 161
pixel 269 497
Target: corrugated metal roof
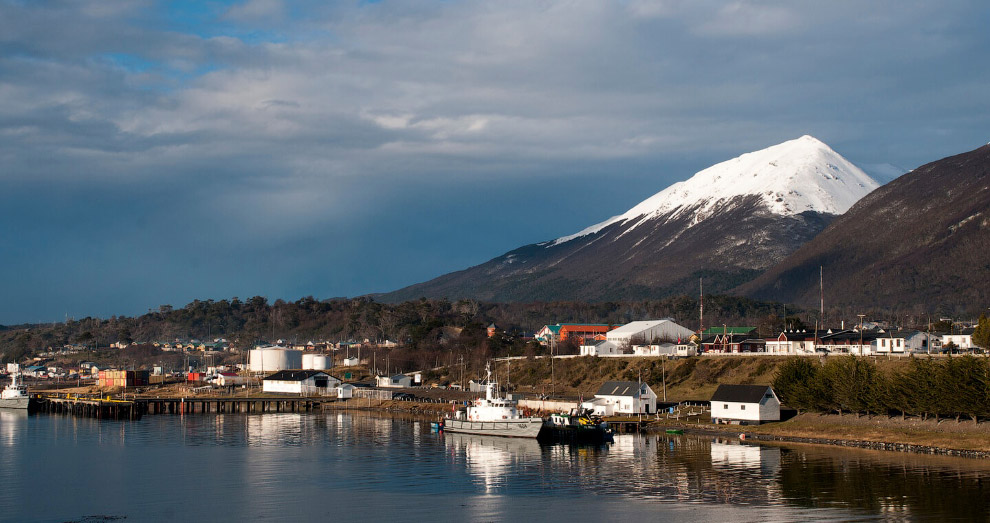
pixel 619 388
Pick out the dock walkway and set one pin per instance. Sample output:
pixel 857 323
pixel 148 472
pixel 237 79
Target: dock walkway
pixel 105 407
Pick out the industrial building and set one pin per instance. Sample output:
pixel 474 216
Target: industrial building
pixel 302 382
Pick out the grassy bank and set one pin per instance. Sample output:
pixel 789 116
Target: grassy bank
pixel 685 379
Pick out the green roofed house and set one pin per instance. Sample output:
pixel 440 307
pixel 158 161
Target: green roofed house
pixel 738 331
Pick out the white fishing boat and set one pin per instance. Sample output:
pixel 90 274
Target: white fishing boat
pixel 15 395
pixel 493 416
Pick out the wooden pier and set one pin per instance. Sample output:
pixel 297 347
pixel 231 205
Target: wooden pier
pixel 624 424
pixel 101 408
pixel 194 405
pixel 109 408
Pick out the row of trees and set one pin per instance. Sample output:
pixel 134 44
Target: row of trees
pixel 925 387
pixel 419 324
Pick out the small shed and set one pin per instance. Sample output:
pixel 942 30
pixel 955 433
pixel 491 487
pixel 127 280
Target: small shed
pixel 228 379
pixel 303 382
pixel 345 391
pixel 351 362
pixel 745 404
pixel 396 381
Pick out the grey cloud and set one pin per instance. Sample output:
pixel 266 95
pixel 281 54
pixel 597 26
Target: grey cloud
pixel 355 117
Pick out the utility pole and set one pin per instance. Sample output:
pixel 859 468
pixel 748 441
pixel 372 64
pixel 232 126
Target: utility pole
pixel 553 344
pixel 861 333
pixel 663 374
pixel 701 306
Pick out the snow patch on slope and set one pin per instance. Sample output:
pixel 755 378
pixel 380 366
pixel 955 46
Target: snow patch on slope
pixel 789 178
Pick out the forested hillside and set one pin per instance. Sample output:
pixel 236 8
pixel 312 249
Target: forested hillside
pixel 418 325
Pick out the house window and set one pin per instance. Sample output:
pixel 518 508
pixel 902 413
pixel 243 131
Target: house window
pixel 725 406
pixel 742 407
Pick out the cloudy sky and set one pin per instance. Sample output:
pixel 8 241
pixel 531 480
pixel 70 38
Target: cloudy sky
pixel 159 152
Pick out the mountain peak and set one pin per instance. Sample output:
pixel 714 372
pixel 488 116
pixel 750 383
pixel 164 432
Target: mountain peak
pixel 789 178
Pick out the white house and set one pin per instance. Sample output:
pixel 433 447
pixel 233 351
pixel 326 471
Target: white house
pixel 345 391
pixel 666 349
pixel 962 339
pixel 396 381
pixel 623 397
pixel 303 382
pixel 351 362
pixel 888 344
pixel 600 348
pixel 745 404
pixel 794 342
pixel 644 332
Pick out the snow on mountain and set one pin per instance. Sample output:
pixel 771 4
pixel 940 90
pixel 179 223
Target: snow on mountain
pixel 789 178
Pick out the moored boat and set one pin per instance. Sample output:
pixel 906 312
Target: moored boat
pixel 15 395
pixel 575 427
pixel 493 415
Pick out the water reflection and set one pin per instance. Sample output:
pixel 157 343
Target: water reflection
pixel 11 423
pixel 269 465
pixel 492 460
pixel 736 456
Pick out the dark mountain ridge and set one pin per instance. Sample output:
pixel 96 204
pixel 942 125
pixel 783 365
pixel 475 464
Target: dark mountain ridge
pixel 919 243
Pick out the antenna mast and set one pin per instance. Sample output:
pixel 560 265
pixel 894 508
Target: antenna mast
pixel 701 308
pixel 821 290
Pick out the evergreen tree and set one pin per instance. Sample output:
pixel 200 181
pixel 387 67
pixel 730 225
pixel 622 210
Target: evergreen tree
pixel 969 387
pixel 795 383
pixel 981 336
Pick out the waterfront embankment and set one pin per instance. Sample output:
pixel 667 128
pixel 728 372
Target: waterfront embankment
pixel 944 437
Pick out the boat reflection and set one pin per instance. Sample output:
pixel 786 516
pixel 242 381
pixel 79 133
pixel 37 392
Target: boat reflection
pixel 12 422
pixel 490 459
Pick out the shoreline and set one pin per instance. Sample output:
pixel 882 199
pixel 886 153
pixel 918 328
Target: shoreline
pixel 831 431
pixel 830 442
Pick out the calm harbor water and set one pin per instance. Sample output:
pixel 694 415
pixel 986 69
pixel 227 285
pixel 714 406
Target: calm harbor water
pixel 365 466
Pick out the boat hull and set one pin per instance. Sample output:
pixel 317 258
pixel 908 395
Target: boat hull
pixel 592 435
pixel 15 403
pixel 509 428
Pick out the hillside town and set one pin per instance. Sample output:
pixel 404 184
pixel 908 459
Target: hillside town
pixel 648 338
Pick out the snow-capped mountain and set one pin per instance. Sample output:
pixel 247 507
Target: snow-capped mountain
pixel 728 223
pixel 789 178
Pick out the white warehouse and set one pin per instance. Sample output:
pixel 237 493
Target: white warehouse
pixel 644 332
pixel 302 382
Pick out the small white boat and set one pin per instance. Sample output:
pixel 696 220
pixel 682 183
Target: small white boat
pixel 15 395
pixel 493 416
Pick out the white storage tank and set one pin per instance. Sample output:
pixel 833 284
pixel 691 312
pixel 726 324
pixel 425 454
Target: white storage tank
pixel 320 362
pixel 307 361
pixel 272 359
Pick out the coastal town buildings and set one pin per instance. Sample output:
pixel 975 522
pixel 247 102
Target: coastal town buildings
pixel 583 332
